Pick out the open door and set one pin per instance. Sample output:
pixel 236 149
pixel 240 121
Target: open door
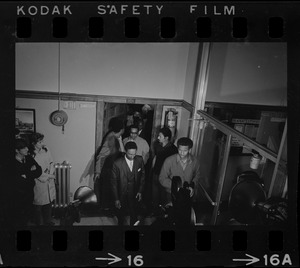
pixel 126 112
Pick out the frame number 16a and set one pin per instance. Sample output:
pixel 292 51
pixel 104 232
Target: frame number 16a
pixel 275 260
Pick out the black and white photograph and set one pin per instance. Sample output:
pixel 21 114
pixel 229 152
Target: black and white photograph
pixel 204 125
pixel 25 120
pixel 156 134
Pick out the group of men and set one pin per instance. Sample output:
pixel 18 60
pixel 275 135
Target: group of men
pixel 128 174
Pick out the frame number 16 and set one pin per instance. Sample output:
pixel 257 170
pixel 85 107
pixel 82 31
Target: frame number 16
pixel 135 260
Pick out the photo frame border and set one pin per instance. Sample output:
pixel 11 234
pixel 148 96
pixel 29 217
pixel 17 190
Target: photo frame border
pixel 33 130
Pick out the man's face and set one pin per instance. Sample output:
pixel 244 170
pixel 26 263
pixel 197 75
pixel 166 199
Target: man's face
pixel 129 120
pixel 183 151
pixel 137 115
pixel 161 138
pixel 130 154
pixel 140 125
pixel 120 133
pixel 133 133
pixel 23 151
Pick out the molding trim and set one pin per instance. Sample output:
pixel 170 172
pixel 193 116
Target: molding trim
pixel 95 98
pixel 188 106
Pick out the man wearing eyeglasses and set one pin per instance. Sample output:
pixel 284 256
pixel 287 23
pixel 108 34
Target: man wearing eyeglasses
pixel 142 145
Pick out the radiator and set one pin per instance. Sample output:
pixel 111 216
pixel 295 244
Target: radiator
pixel 62 172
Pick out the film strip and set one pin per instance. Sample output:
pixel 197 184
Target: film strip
pixel 78 27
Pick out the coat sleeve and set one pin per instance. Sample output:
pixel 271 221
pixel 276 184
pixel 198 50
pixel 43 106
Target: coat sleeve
pixel 49 169
pixel 105 151
pixel 35 169
pixel 165 175
pixel 145 152
pixel 115 179
pixel 43 178
pixel 142 181
pixel 51 164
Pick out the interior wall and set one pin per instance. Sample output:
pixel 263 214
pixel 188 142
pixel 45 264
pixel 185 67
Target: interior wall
pixel 189 86
pixel 248 73
pixel 76 145
pixel 149 70
pixel 184 123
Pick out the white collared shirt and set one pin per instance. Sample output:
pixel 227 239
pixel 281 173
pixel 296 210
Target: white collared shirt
pixel 129 163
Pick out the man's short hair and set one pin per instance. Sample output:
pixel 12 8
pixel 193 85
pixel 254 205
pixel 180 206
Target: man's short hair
pixel 116 124
pixel 166 132
pixel 184 141
pixel 134 126
pixel 130 145
pixel 20 144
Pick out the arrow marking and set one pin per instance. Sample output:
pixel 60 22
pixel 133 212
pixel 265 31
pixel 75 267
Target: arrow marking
pixel 250 261
pixel 113 259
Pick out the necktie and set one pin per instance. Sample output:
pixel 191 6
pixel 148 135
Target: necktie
pixel 131 165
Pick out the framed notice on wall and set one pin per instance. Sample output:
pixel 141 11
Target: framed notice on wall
pixel 25 120
pixel 171 116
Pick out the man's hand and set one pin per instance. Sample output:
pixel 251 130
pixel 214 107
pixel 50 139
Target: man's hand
pixel 138 197
pixel 121 144
pixel 118 204
pixel 191 191
pixel 33 168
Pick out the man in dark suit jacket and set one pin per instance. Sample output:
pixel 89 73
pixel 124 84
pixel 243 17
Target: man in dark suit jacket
pixel 128 179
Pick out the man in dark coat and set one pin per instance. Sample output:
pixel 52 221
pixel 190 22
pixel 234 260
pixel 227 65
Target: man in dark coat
pixel 128 179
pixel 165 149
pixel 26 170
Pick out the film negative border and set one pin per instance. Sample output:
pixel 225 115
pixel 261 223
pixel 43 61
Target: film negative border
pixel 158 21
pixel 162 22
pixel 90 246
pixel 133 29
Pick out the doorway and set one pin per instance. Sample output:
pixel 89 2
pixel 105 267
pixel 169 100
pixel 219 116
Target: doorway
pixel 130 113
pixel 134 114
